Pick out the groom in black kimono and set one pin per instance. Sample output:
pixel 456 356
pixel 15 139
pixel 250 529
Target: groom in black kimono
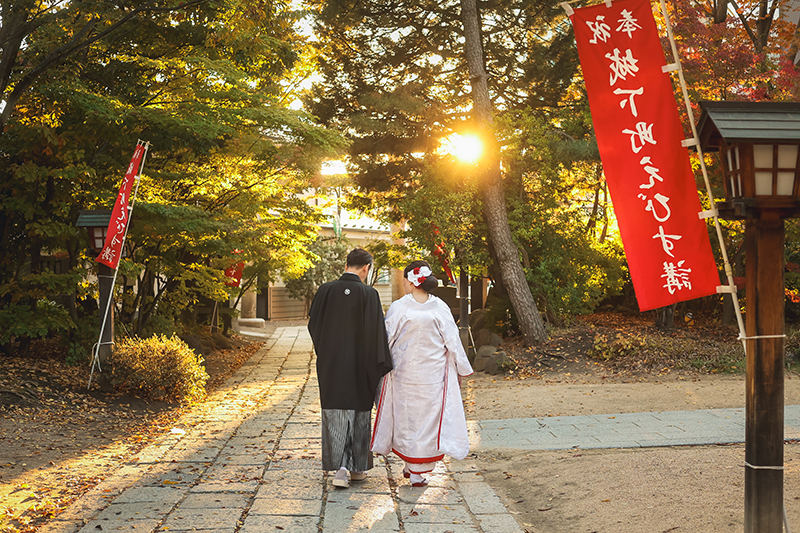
pixel 346 325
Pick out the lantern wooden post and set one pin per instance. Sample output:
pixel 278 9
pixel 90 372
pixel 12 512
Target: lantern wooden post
pixel 96 221
pixel 759 145
pixel 763 493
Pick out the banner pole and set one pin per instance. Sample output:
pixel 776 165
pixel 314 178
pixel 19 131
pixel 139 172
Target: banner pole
pixel 96 354
pixel 724 252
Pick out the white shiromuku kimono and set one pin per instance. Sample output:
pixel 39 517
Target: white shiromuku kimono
pixel 420 414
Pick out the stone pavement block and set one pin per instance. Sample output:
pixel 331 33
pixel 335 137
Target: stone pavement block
pixel 225 473
pixel 296 464
pixel 167 474
pixel 296 477
pixel 282 403
pixel 311 491
pixel 269 419
pixel 86 506
pixel 300 444
pixel 286 507
pixel 499 523
pixel 239 445
pixel 128 526
pixel 302 431
pixel 117 512
pixel 376 482
pixel 165 495
pixel 305 417
pixel 445 528
pixel 348 511
pixel 211 500
pixel 612 442
pixel 192 519
pixel 197 451
pixel 431 495
pixel 434 480
pixel 226 486
pixel 152 453
pixel 290 524
pixel 280 410
pixel 247 459
pixel 434 514
pixel 481 499
pixel 304 454
pixel 219 430
pixel 231 529
pixel 250 428
pixel 61 526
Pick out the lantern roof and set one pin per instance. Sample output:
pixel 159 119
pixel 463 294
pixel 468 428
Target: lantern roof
pixel 754 122
pixel 93 218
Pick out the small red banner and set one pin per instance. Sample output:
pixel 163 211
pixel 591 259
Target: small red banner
pixel 639 135
pixel 234 274
pixel 118 226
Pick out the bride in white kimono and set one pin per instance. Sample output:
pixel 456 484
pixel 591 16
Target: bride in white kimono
pixel 420 415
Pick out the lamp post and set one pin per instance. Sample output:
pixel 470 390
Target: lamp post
pixel 759 145
pixel 96 221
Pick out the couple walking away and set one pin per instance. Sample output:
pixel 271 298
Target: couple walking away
pixel 409 365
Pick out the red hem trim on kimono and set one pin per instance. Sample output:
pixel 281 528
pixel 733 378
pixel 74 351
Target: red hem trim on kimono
pixel 419 473
pixel 418 460
pixel 378 411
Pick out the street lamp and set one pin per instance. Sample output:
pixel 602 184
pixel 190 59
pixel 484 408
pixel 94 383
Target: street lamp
pixel 759 145
pixel 96 221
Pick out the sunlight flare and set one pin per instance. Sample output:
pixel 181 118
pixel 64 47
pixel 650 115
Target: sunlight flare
pixel 465 148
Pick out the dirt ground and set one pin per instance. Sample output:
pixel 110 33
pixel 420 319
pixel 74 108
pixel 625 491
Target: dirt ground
pixel 57 440
pixel 679 489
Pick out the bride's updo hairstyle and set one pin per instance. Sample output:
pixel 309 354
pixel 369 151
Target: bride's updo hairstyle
pixel 420 275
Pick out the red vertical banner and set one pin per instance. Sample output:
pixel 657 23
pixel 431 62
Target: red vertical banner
pixel 118 225
pixel 639 135
pixel 234 272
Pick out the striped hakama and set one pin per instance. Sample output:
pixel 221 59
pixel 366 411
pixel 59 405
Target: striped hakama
pixel 345 440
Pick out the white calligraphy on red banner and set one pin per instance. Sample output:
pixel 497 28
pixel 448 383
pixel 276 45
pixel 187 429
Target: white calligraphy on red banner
pixel 118 225
pixel 648 171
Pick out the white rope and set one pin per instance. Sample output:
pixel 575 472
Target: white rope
pixel 754 467
pixel 761 337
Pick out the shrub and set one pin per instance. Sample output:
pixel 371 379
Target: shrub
pixel 501 318
pixel 158 368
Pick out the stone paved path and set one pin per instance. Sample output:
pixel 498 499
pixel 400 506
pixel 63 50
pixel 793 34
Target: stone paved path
pixel 621 430
pixel 248 461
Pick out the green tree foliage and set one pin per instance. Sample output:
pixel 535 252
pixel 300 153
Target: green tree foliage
pixel 328 265
pixel 558 204
pixel 396 79
pixel 203 82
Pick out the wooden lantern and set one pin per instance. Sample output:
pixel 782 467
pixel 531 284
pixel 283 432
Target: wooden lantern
pixel 759 145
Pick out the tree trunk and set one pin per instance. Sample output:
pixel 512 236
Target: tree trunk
pixel 530 321
pixel 665 317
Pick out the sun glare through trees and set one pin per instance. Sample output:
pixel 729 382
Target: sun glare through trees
pixel 465 148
